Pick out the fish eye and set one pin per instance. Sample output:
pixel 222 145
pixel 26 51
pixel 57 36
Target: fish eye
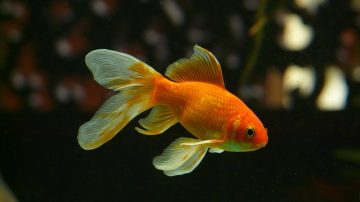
pixel 250 132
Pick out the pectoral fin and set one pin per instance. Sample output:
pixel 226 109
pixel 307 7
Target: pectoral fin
pixel 181 156
pixel 215 150
pixel 211 141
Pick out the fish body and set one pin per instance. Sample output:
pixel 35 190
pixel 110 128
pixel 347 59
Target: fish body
pixel 207 111
pixel 193 103
pixel 193 94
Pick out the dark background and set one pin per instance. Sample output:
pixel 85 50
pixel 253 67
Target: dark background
pixel 46 93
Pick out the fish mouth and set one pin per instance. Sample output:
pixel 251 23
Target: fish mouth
pixel 263 144
pixel 263 140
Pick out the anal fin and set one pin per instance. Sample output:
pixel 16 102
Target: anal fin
pixel 159 120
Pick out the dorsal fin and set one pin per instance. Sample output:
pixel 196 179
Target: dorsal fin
pixel 201 66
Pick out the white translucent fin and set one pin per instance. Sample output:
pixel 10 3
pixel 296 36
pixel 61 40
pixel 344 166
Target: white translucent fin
pixel 135 81
pixel 215 150
pixel 178 159
pixel 201 66
pixel 159 120
pixel 115 70
pixel 113 116
pixel 189 165
pixel 211 141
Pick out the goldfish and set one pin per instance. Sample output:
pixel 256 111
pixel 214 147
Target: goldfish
pixel 191 93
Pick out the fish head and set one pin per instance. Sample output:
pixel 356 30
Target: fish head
pixel 247 133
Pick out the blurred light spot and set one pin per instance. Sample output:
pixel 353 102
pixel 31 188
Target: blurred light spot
pixel 273 88
pixel 296 35
pixel 15 35
pixel 12 31
pixel 252 92
pixel 35 81
pixel 100 8
pixel 355 4
pixel 334 94
pixel 35 100
pixel 18 80
pixel 236 25
pixel 301 78
pixel 348 37
pixel 6 6
pixel 63 47
pixel 196 35
pixel 174 12
pixel 78 92
pixel 356 74
pixel 17 9
pixel 251 4
pixel 309 5
pixel 62 93
pixel 61 12
pixel 348 154
pixel 153 37
pixel 233 61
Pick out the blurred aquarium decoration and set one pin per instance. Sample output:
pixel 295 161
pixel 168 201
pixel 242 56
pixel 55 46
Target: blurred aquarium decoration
pixel 296 63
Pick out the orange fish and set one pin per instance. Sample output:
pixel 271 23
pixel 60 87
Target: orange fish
pixel 193 94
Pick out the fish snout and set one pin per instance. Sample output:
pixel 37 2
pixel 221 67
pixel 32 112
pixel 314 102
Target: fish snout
pixel 261 144
pixel 262 140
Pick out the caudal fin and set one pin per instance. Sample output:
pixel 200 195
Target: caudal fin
pixel 135 82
